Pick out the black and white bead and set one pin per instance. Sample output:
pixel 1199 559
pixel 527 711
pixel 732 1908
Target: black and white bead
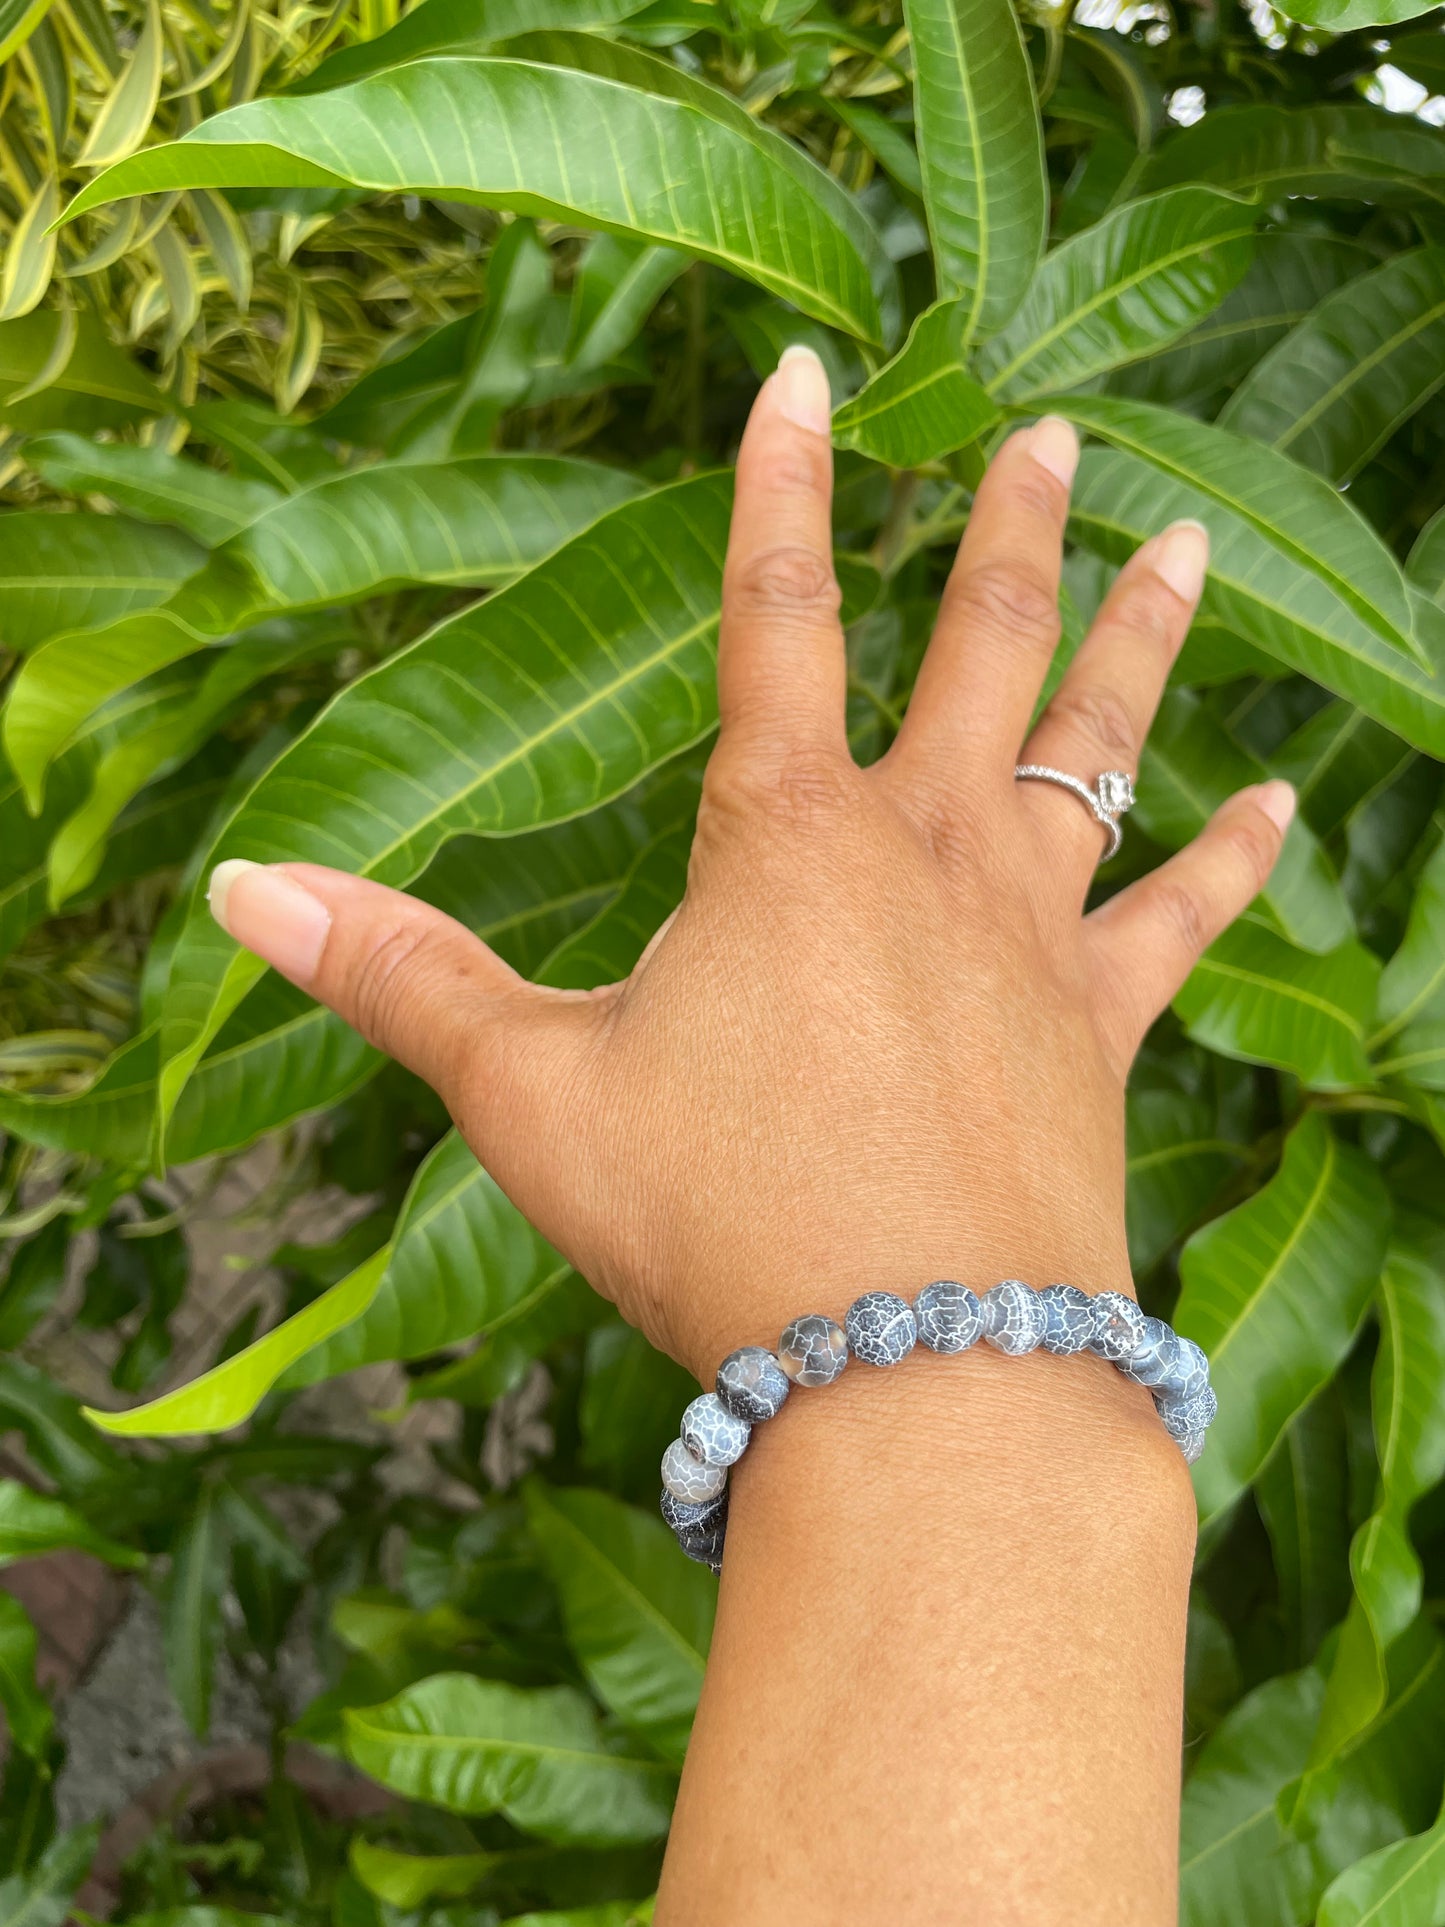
pixel 687 1478
pixel 813 1349
pixel 752 1384
pixel 1014 1318
pixel 949 1316
pixel 1069 1320
pixel 712 1433
pixel 881 1328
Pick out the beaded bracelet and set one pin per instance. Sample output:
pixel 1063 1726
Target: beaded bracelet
pixel 881 1329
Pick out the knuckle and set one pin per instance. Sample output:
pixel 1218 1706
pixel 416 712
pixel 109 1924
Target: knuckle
pixel 790 581
pixel 1036 493
pixel 1180 909
pixel 1101 715
pixel 1150 614
pixel 804 783
pixel 386 976
pixel 1006 597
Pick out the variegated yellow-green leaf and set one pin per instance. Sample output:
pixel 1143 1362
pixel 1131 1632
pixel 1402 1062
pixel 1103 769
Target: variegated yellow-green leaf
pixel 30 253
pixel 125 117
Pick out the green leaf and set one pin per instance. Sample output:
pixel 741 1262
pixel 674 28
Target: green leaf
pixel 460 27
pixel 1190 765
pixel 30 1524
pixel 27 1711
pixel 1120 290
pixel 923 404
pixel 1410 1443
pixel 18 20
pixel 1334 391
pixel 1334 152
pixel 41 1896
pixel 73 572
pixel 617 286
pixel 1289 276
pixel 478 1746
pixel 30 257
pixel 638 1612
pixel 980 147
pixel 127 111
pixel 149 482
pixel 1293 569
pixel 659 169
pixel 1402 1885
pixel 544 701
pixel 1254 996
pixel 1176 1160
pixel 1426 564
pixel 1422 56
pixel 1412 984
pixel 195 1587
pixel 1338 759
pixel 1274 1292
pixel 1302 1492
pixel 1348 16
pixel 468 523
pixel 406 1880
pixel 100 385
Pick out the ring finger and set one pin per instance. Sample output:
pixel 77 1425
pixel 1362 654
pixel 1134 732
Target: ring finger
pixel 1100 714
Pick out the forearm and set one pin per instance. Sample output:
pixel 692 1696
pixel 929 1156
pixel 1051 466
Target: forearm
pixel 946 1676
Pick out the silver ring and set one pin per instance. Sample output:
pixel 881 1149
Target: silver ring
pixel 1106 802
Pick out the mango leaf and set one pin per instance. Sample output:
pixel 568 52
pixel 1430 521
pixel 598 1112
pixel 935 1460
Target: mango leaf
pixel 1121 289
pixel 1274 1292
pixel 1412 984
pixel 1334 391
pixel 537 1756
pixel 1403 1885
pixel 1290 274
pixel 923 404
pixel 30 1523
pixel 464 523
pixel 1334 152
pixel 27 1711
pixel 1410 1443
pixel 1337 760
pixel 1302 1492
pixel 1348 16
pixel 1176 1160
pixel 405 1880
pixel 100 385
pixel 548 699
pixel 605 949
pixel 459 27
pixel 1254 996
pixel 638 1613
pixel 1426 564
pixel 617 286
pixel 980 148
pixel 152 483
pixel 61 572
pixel 195 1586
pixel 1190 765
pixel 659 169
pixel 1293 570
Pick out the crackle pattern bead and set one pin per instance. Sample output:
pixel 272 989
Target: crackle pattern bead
pixel 949 1316
pixel 1068 1320
pixel 684 1515
pixel 1183 1416
pixel 752 1384
pixel 813 1349
pixel 881 1328
pixel 1013 1318
pixel 1118 1326
pixel 712 1433
pixel 688 1478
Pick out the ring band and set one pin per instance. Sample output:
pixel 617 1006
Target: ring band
pixel 1106 802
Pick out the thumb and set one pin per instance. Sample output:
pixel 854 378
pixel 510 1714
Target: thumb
pixel 413 981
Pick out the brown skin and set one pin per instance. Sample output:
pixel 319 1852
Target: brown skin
pixel 879 1043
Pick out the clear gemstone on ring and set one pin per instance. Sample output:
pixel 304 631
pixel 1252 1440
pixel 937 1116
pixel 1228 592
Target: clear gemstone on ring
pixel 1116 792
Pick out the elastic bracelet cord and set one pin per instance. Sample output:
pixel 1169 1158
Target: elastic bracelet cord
pixel 881 1329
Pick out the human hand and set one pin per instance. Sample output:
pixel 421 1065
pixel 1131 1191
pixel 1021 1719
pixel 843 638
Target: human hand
pixel 879 1042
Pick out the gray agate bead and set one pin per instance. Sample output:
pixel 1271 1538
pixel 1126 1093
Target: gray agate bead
pixel 1014 1318
pixel 1068 1320
pixel 1192 1445
pixel 881 1328
pixel 813 1349
pixel 702 1539
pixel 712 1433
pixel 688 1478
pixel 1182 1417
pixel 1118 1328
pixel 949 1316
pixel 752 1384
pixel 684 1516
pixel 1155 1360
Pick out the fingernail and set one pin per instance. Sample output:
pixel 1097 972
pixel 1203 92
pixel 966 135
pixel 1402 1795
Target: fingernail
pixel 270 914
pixel 1277 799
pixel 1054 446
pixel 803 389
pixel 1181 558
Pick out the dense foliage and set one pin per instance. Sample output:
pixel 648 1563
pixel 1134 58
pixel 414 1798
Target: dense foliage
pixel 367 427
